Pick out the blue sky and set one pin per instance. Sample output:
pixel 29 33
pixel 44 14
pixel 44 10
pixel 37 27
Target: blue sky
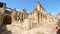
pixel 52 6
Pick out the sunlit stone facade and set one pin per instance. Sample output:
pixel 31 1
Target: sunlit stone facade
pixel 29 20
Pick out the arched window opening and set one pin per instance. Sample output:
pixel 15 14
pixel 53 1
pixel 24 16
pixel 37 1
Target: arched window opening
pixel 7 19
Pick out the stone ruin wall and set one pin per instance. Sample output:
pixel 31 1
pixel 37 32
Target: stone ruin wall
pixel 34 19
pixel 37 16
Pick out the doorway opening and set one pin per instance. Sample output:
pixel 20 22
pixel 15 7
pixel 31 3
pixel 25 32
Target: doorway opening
pixel 7 19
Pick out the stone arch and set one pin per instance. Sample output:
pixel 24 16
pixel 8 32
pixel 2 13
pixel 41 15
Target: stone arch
pixel 7 20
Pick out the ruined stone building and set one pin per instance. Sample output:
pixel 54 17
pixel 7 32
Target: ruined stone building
pixel 44 22
pixel 37 16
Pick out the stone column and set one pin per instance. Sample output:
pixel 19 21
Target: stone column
pixel 0 20
pixel 38 6
pixel 20 17
pixel 13 14
pixel 26 24
pixel 40 18
pixel 3 8
pixel 45 19
pixel 31 23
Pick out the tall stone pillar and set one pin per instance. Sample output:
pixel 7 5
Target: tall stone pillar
pixel 31 24
pixel 58 15
pixel 3 8
pixel 24 14
pixel 13 14
pixel 38 6
pixel 0 20
pixel 45 18
pixel 26 24
pixel 20 17
pixel 39 18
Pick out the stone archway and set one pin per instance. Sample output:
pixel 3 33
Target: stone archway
pixel 7 19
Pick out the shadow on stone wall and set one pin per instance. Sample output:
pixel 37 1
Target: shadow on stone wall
pixel 3 30
pixel 58 32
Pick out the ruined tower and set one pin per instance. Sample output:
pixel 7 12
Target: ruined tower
pixel 40 8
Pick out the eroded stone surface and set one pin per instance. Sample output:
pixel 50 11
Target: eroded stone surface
pixel 36 22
